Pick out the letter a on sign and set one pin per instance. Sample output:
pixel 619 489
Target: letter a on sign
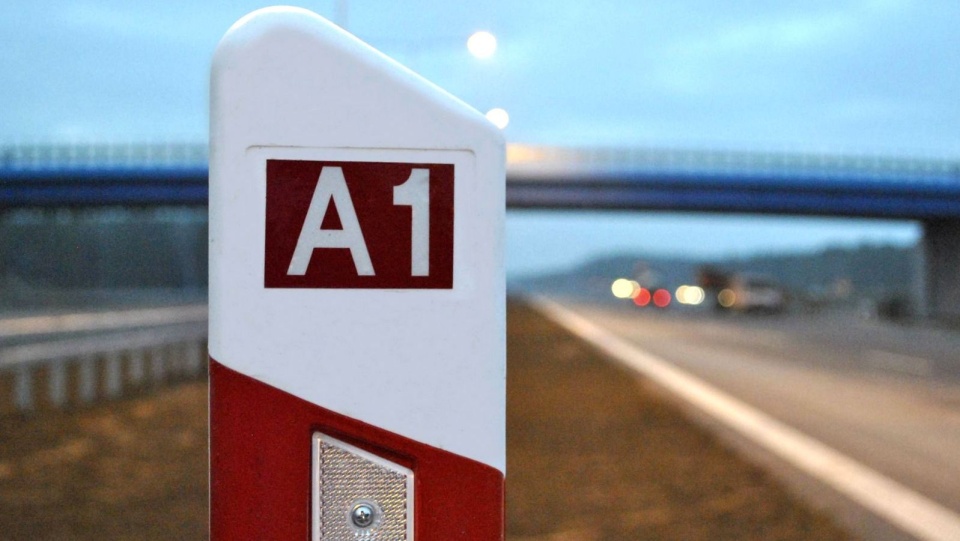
pixel 331 188
pixel 357 295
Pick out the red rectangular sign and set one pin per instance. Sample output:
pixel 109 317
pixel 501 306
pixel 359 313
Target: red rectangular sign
pixel 336 224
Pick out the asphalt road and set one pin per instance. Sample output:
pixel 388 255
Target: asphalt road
pixel 887 396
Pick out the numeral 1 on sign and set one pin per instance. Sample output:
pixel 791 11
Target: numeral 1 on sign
pixel 415 193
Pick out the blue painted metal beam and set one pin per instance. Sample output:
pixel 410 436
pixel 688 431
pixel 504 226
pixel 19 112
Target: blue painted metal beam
pixel 92 187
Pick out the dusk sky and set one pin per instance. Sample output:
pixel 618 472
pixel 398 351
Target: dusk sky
pixel 878 77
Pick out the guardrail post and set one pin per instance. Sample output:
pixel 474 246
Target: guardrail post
pixel 194 357
pixel 158 364
pixel 23 388
pixel 87 384
pixel 135 366
pixel 57 383
pixel 113 374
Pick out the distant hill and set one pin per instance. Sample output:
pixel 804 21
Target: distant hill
pixel 868 273
pixel 876 272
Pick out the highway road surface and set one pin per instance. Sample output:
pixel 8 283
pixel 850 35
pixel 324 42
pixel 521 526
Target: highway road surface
pixel 871 410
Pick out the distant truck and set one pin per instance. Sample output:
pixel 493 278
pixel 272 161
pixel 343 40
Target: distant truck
pixel 753 294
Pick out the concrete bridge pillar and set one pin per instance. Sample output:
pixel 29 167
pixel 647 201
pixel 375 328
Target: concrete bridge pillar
pixel 941 245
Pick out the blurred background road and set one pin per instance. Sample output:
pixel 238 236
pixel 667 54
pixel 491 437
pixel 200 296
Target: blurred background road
pixel 885 395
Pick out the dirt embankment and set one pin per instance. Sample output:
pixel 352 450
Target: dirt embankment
pixel 132 469
pixel 594 455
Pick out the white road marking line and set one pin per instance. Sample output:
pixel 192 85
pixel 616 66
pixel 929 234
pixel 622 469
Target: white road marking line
pixel 98 321
pixel 903 507
pixel 905 364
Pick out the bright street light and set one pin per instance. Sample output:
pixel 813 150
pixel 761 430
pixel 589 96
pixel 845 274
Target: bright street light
pixel 499 117
pixel 482 44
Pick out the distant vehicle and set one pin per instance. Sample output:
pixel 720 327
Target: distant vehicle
pixel 753 294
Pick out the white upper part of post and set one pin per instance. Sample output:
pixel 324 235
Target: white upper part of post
pixel 395 315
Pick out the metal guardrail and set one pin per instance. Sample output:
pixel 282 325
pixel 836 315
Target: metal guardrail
pixel 19 157
pixel 100 321
pixel 61 372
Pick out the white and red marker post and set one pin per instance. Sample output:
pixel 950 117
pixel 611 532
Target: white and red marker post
pixel 357 323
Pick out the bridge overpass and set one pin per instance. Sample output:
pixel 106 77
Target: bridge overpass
pixel 537 177
pixel 927 190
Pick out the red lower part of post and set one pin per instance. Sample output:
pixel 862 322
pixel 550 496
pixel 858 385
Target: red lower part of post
pixel 260 451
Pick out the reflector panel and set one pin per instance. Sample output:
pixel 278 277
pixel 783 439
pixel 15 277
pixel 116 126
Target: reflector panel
pixel 358 496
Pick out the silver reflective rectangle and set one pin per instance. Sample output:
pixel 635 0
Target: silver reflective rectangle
pixel 358 496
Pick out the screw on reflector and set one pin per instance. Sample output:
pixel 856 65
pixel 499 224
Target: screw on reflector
pixel 362 515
